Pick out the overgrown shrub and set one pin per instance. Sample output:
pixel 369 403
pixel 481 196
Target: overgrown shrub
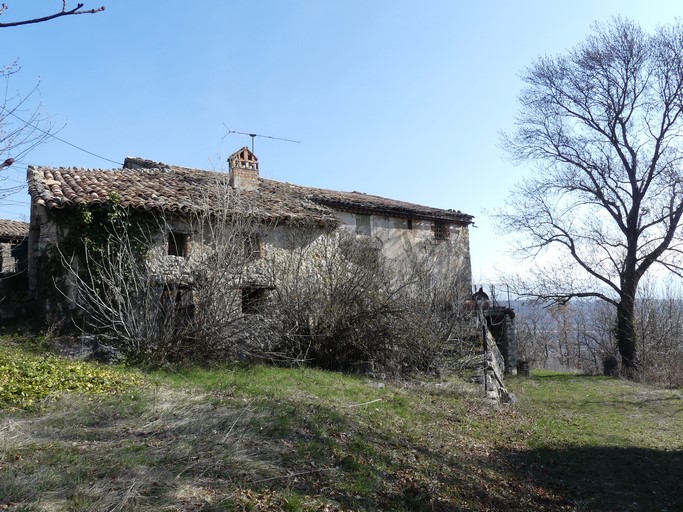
pixel 158 307
pixel 343 305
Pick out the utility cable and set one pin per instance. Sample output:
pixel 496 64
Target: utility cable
pixel 59 139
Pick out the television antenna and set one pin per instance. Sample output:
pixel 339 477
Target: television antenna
pixel 254 135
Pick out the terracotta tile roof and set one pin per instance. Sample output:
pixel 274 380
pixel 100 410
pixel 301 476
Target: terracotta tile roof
pixel 153 185
pixel 13 230
pixel 171 189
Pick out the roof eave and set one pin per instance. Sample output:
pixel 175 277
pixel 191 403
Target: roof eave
pixel 452 217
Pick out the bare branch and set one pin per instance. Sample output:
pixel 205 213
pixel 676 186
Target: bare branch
pixel 64 12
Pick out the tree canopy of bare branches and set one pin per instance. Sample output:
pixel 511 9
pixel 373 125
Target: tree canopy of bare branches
pixel 603 125
pixel 22 124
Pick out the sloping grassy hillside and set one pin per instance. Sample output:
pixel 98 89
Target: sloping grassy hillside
pixel 258 438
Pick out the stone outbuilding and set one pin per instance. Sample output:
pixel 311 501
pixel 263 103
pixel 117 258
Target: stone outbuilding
pixel 13 246
pixel 13 267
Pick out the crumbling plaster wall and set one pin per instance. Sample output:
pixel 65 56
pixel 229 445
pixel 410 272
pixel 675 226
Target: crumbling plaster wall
pixel 397 234
pixel 394 234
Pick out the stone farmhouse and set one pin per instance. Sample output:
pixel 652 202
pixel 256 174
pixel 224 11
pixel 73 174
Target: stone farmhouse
pixel 180 194
pixel 186 203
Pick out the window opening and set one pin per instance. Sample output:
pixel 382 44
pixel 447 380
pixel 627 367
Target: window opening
pixel 441 231
pixel 363 226
pixel 178 244
pixel 19 254
pixel 252 300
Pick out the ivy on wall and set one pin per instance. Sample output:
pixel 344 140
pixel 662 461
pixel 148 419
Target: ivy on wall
pixel 90 230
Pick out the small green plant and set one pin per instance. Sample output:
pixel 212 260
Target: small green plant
pixel 26 379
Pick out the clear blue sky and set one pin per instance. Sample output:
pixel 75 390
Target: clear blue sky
pixel 403 99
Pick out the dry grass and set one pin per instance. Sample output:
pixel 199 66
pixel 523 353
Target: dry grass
pixel 161 448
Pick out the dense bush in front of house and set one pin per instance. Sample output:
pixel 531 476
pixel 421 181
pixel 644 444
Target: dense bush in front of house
pixel 342 305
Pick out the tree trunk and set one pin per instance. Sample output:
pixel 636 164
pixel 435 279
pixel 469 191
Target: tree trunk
pixel 626 334
pixel 626 309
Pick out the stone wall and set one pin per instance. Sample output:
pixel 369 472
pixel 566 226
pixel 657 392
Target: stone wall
pixel 501 323
pixel 6 259
pixel 494 369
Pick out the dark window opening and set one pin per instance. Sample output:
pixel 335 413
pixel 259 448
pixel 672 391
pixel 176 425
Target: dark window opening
pixel 363 226
pixel 178 244
pixel 252 300
pixel 19 253
pixel 441 231
pixel 410 223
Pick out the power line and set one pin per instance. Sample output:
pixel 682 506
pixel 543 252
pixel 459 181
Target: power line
pixel 59 139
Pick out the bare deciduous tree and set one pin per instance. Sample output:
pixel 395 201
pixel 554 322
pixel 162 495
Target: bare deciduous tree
pixel 659 323
pixel 603 123
pixel 22 124
pixel 22 127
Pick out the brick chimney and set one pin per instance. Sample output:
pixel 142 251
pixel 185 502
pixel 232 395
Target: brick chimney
pixel 243 170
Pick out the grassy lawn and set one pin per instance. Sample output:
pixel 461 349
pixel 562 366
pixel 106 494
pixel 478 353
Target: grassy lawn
pixel 260 438
pixel 610 444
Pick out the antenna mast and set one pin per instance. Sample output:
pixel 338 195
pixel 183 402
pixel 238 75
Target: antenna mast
pixel 254 135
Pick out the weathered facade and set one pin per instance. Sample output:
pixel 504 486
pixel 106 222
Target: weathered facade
pixel 181 196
